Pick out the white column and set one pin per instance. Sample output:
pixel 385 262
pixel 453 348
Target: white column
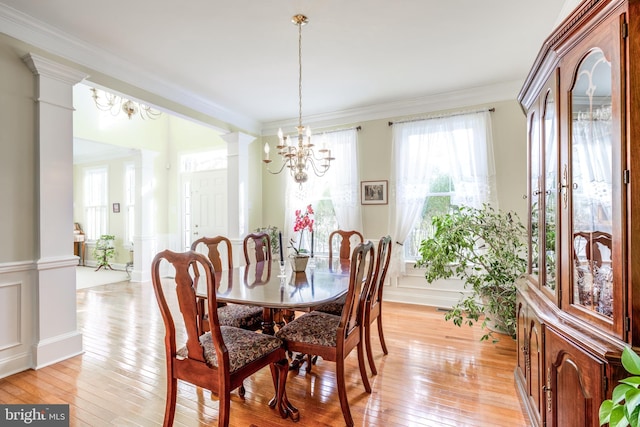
pixel 145 237
pixel 237 190
pixel 57 336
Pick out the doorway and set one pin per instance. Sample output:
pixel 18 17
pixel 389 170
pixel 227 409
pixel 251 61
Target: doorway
pixel 204 205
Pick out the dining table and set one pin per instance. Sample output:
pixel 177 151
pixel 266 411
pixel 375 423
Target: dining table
pixel 279 289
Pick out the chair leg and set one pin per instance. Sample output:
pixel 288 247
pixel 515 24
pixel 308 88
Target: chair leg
pixel 275 376
pixel 342 393
pixel 170 408
pixel 241 390
pixel 367 341
pixel 380 334
pixel 363 369
pixel 224 407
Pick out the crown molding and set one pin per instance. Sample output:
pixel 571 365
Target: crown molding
pixel 422 105
pixel 43 36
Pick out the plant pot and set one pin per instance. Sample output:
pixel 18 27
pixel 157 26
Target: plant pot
pixel 299 262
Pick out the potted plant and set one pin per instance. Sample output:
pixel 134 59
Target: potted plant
pixel 272 231
pixel 104 251
pixel 616 412
pixel 486 249
pixel 304 221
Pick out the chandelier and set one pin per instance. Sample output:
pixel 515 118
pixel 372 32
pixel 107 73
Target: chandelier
pixel 299 156
pixel 116 104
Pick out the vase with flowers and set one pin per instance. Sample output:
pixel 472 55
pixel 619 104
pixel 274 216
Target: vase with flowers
pixel 303 222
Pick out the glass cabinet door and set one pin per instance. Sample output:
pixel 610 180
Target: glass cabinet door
pixel 534 195
pixel 592 181
pixel 550 144
pixel 591 177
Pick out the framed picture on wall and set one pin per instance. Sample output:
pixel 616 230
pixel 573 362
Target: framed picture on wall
pixel 116 208
pixel 373 192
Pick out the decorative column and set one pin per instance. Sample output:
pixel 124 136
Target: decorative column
pixel 56 335
pixel 237 190
pixel 144 239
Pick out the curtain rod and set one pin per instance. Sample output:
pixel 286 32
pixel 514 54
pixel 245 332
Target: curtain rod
pixel 338 130
pixel 439 116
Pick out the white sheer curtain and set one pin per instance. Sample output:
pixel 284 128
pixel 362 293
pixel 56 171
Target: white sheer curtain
pixel 341 179
pixel 468 153
pixel 592 173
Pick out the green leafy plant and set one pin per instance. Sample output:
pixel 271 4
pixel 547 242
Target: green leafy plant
pixel 486 249
pixel 272 231
pixel 104 250
pixel 623 409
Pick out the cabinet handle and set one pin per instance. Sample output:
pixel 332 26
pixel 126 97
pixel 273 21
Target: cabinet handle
pixel 564 185
pixel 547 390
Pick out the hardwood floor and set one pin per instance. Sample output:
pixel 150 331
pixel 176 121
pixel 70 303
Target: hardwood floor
pixel 435 374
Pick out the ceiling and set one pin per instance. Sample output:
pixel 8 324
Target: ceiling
pixel 238 60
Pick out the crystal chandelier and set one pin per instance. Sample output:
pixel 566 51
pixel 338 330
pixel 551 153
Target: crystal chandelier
pixel 116 104
pixel 299 156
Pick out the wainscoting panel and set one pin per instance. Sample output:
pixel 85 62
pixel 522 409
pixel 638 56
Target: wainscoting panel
pixel 10 309
pixel 17 331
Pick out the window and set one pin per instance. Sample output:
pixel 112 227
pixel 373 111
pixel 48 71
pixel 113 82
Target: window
pixel 130 201
pixel 334 197
pixel 440 163
pixel 95 202
pixel 203 161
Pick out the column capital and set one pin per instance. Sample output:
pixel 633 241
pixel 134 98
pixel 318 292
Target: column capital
pixel 45 67
pixel 238 140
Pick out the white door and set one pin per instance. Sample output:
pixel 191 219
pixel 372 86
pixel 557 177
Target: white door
pixel 205 212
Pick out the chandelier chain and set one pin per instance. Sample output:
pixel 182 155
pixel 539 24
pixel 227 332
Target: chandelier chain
pixel 300 157
pixel 300 73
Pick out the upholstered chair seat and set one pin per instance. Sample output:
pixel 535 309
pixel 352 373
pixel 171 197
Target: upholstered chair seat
pixel 333 307
pixel 243 346
pixel 313 328
pixel 241 316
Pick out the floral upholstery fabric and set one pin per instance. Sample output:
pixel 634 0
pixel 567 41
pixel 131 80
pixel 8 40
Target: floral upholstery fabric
pixel 314 328
pixel 333 307
pixel 240 316
pixel 244 346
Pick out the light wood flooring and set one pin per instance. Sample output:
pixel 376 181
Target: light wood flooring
pixel 436 374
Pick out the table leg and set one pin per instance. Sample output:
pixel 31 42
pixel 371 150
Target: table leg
pixel 268 325
pixel 285 407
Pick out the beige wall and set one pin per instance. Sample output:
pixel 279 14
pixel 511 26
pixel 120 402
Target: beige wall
pixel 17 159
pixel 374 154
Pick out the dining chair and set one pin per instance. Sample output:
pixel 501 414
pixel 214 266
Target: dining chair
pixel 334 337
pixel 373 302
pixel 219 359
pixel 239 315
pixel 344 239
pixel 257 248
pixel 258 244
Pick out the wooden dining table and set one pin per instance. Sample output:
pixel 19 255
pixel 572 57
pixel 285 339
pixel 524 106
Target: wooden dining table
pixel 262 284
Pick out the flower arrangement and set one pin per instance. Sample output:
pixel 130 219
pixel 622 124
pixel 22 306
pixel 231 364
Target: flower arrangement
pixel 304 221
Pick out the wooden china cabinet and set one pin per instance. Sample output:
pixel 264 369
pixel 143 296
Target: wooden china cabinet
pixel 579 304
